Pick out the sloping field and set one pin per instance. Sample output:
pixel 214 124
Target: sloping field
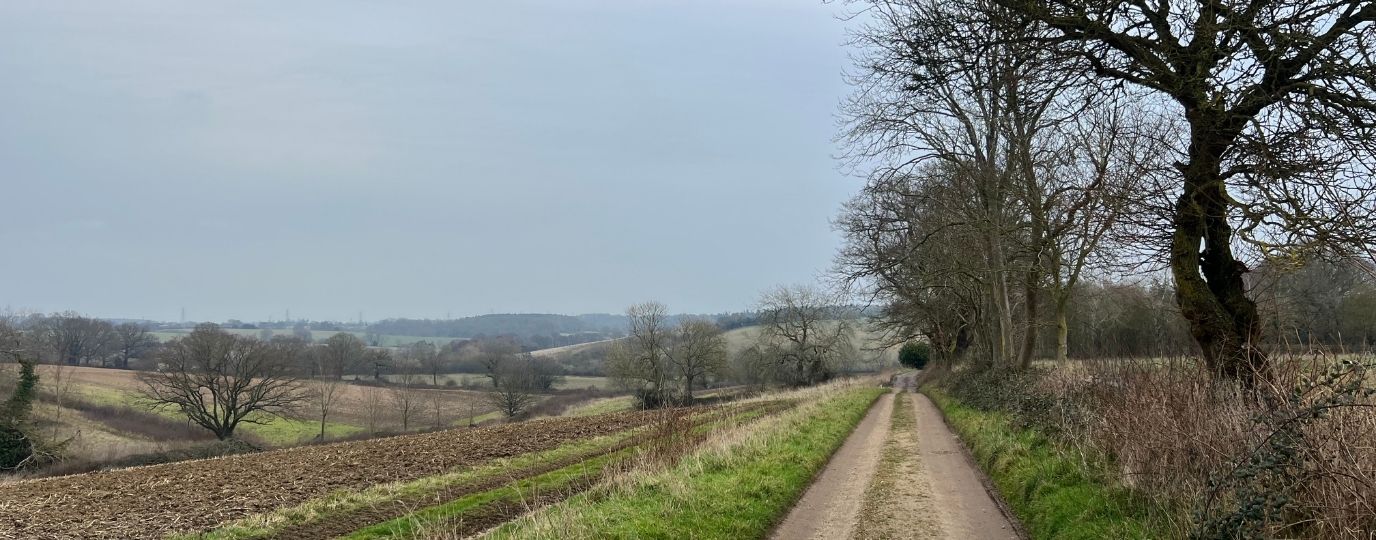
pixel 349 414
pixel 152 502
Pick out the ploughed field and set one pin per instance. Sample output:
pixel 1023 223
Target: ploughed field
pixel 153 501
pixel 200 496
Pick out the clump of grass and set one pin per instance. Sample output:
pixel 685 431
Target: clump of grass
pixel 738 484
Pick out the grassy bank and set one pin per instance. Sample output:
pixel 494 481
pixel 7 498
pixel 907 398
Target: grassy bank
pixel 1055 494
pixel 738 485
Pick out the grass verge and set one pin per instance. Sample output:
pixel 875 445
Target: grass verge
pixel 739 484
pixel 1054 494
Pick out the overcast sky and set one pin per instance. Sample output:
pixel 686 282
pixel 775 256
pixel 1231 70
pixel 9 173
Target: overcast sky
pixel 416 158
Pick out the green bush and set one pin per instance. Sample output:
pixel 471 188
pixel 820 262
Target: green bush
pixel 15 445
pixel 915 354
pixel 14 448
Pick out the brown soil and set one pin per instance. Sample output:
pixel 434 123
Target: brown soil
pixel 151 502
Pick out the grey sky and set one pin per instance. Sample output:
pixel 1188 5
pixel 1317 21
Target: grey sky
pixel 414 158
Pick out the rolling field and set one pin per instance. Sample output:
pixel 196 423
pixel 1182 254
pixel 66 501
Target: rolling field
pixel 119 388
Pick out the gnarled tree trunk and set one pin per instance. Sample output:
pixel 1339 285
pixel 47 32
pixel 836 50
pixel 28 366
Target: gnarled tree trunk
pixel 1209 279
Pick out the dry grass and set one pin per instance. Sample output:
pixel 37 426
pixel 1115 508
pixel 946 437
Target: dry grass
pixel 1209 449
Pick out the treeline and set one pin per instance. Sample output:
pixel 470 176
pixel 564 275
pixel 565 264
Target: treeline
pixel 805 336
pixel 72 339
pixel 1320 306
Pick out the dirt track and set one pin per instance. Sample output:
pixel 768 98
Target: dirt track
pixel 829 508
pixel 941 484
pixel 151 502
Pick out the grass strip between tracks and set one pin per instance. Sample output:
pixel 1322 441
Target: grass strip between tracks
pixel 739 484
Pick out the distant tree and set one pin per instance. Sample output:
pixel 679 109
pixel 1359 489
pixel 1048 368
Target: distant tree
pixel 514 385
pixel 265 334
pixel 75 340
pixel 425 356
pixel 132 341
pixel 297 353
pixel 698 351
pixel 406 398
pixel 374 338
pixel 639 361
pixel 303 332
pixel 374 407
pixel 342 353
pixel 753 367
pixel 914 354
pixel 219 380
pixel 379 360
pixel 325 393
pixel 806 332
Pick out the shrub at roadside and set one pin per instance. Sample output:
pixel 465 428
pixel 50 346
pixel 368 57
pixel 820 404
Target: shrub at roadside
pixel 914 354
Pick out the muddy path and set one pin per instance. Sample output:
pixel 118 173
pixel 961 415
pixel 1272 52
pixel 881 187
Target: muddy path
pixel 923 486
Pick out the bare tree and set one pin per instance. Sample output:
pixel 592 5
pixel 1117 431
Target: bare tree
pixel 427 357
pixel 75 340
pixel 1279 99
pixel 379 360
pixel 342 353
pixel 640 361
pixel 513 384
pixel 374 407
pixel 219 380
pixel 698 351
pixel 806 331
pixel 132 341
pixel 405 397
pixel 324 393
